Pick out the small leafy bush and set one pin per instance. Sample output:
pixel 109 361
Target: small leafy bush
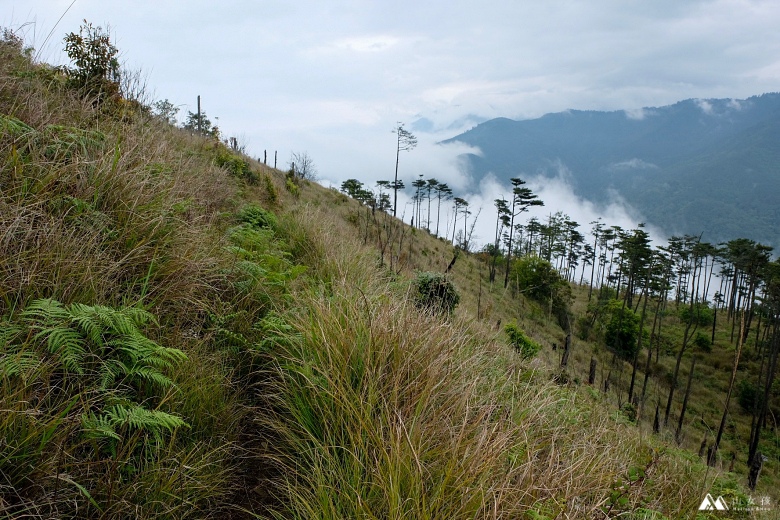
pixel 292 183
pixel 236 166
pixel 96 71
pixel 257 217
pixel 749 396
pixel 435 292
pixel 522 344
pixel 537 279
pixel 702 314
pixel 621 329
pixel 270 189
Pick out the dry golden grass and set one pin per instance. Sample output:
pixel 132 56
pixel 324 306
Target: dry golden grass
pixel 388 412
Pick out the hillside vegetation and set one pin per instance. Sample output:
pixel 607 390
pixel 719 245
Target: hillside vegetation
pixel 187 333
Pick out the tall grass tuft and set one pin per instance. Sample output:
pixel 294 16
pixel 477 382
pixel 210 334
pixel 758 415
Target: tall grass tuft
pixel 386 412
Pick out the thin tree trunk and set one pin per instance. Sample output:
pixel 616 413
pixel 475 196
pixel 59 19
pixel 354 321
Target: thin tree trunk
pixel 678 433
pixel 714 452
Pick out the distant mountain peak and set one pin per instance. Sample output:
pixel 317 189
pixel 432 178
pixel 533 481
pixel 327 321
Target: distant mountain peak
pixel 715 162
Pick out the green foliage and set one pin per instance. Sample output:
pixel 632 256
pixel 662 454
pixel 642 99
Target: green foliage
pixel 102 342
pixel 166 111
pixel 270 189
pixel 14 127
pixel 435 292
pixel 749 396
pixel 235 165
pixel 62 143
pixel 702 342
pixel 621 330
pixel 292 188
pixel 352 187
pixel 702 314
pixel 629 411
pixel 257 217
pixel 101 354
pixel 128 417
pixel 522 344
pixel 206 128
pixel 263 269
pixel 96 66
pixel 536 278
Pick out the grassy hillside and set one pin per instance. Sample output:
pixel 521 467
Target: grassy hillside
pixel 187 333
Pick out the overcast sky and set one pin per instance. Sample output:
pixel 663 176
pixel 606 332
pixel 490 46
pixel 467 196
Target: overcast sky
pixel 332 78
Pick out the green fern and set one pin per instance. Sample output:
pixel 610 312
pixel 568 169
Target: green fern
pixel 98 427
pixel 9 332
pixel 128 417
pixel 51 321
pixel 135 416
pixel 16 364
pixel 14 127
pixel 113 335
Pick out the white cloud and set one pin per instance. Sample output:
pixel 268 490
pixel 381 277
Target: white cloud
pixel 557 194
pixel 632 164
pixel 705 106
pixel 638 114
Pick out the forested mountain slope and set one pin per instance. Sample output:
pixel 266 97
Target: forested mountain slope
pixel 710 166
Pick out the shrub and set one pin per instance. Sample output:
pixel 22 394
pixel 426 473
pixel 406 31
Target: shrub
pixel 435 292
pixel 539 280
pixel 622 329
pixel 522 344
pixel 96 68
pixel 748 395
pixel 702 314
pixel 257 217
pixel 702 342
pixel 292 188
pixel 292 183
pixel 236 166
pixel 270 189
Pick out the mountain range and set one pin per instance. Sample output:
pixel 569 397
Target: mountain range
pixel 709 167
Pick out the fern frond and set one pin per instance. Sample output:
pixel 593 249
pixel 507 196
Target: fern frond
pixel 46 311
pixel 85 318
pixel 137 417
pixel 115 320
pixel 17 364
pixel 15 127
pixel 98 427
pixel 66 343
pixel 110 371
pixel 9 332
pixel 151 375
pixel 140 317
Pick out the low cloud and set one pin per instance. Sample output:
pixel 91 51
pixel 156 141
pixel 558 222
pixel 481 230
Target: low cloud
pixel 558 194
pixel 705 106
pixel 638 114
pixel 632 164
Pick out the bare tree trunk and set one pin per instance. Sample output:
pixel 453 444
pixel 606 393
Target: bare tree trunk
pixel 713 454
pixel 678 433
pixel 566 348
pixel 638 348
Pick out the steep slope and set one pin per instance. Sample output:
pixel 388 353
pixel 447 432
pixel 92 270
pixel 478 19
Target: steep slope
pixel 187 333
pixel 697 166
